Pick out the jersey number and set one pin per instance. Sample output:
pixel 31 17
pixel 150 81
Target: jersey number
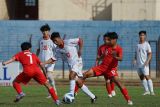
pixel 30 58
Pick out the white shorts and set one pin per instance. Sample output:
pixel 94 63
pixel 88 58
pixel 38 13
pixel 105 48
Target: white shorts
pixel 50 67
pixel 77 67
pixel 144 70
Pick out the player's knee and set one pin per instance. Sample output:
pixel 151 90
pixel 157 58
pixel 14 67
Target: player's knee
pixel 72 75
pixel 47 84
pixel 79 83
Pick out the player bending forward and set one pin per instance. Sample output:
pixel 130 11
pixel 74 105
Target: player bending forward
pixel 31 69
pixel 66 50
pixel 108 67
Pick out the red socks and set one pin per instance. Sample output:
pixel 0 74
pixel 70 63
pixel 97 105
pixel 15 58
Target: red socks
pixel 53 94
pixel 17 87
pixel 76 89
pixel 125 94
pixel 112 86
pixel 108 88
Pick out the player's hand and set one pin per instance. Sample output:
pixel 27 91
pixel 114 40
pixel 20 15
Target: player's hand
pixel 3 63
pixel 114 54
pixel 146 63
pixel 42 64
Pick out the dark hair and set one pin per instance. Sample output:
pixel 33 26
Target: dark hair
pixel 45 28
pixel 113 35
pixel 142 31
pixel 25 46
pixel 105 35
pixel 55 35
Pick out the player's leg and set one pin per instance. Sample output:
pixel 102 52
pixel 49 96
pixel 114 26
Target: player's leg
pixel 144 81
pixel 112 88
pixel 50 68
pixel 149 80
pixel 41 79
pixel 21 78
pixel 76 89
pixel 108 87
pixel 84 88
pixel 72 76
pixel 123 89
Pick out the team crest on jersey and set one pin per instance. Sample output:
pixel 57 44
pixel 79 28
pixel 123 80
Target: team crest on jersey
pixel 106 52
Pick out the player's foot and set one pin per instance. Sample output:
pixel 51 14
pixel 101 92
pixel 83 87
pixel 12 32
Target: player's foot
pixel 75 94
pixel 113 93
pixel 152 93
pixel 146 93
pixel 109 95
pixel 58 102
pixel 130 102
pixel 19 97
pixel 94 100
pixel 49 96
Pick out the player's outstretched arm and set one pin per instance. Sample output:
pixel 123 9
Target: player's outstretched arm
pixel 8 61
pixel 50 61
pixel 80 47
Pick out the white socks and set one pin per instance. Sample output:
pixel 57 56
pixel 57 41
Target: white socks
pixel 51 80
pixel 72 86
pixel 150 85
pixel 87 92
pixel 145 85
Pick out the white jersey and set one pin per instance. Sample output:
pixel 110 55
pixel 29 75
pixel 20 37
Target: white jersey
pixel 47 49
pixel 142 51
pixel 69 52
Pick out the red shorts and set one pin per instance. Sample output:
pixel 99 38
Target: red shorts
pixel 105 71
pixel 25 78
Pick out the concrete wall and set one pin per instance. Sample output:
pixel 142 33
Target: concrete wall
pixel 3 10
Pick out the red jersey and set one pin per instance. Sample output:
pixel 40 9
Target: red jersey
pixel 101 50
pixel 109 59
pixel 28 60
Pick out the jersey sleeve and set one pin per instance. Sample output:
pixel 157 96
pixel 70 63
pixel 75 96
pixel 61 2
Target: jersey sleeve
pixel 16 56
pixel 73 42
pixel 149 50
pixel 120 52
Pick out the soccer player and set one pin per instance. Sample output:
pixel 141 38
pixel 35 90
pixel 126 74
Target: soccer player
pixel 66 50
pixel 142 58
pixel 101 51
pixel 108 67
pixel 46 51
pixel 31 69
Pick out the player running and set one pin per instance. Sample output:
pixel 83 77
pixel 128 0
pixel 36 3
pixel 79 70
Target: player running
pixel 31 69
pixel 101 51
pixel 67 51
pixel 108 67
pixel 142 59
pixel 46 51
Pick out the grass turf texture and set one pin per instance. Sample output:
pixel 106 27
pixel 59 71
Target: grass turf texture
pixel 35 97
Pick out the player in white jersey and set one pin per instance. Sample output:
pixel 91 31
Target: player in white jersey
pixel 143 56
pixel 66 50
pixel 45 52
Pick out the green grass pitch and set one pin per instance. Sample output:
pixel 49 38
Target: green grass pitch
pixel 36 97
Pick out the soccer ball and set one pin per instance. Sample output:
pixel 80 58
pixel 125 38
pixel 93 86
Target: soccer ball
pixel 68 98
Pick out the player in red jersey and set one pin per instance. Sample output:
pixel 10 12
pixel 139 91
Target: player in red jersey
pixel 31 69
pixel 101 51
pixel 108 67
